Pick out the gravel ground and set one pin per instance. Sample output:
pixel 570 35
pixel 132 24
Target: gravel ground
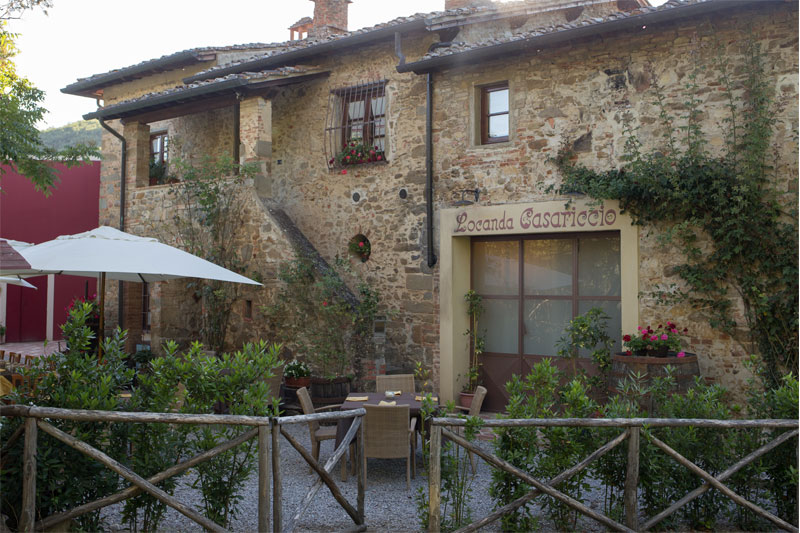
pixel 389 505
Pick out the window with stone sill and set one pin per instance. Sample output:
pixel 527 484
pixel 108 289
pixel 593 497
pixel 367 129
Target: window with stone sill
pixel 495 115
pixel 356 129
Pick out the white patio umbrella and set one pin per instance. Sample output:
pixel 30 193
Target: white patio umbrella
pixel 11 258
pixel 12 280
pixel 110 253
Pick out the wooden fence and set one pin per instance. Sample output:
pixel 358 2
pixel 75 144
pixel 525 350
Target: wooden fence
pixel 631 431
pixel 266 429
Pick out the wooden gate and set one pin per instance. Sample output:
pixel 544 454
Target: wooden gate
pixel 631 429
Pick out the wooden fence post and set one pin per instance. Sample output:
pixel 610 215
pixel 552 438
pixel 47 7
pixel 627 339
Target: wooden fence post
pixel 434 479
pixel 277 488
pixel 263 478
pixel 361 474
pixel 632 480
pixel 29 477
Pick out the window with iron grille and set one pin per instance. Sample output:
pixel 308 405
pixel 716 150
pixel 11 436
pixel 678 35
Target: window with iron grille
pixel 356 124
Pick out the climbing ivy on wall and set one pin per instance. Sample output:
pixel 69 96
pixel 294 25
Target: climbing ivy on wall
pixel 723 212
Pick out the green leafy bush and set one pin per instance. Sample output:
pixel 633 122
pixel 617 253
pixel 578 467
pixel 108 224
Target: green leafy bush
pixel 543 452
pixel 546 452
pixel 456 477
pixel 189 382
pixel 66 478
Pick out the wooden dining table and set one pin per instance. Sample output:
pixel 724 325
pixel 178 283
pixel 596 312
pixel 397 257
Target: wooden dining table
pixel 357 399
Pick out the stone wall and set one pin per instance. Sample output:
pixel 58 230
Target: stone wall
pixel 320 200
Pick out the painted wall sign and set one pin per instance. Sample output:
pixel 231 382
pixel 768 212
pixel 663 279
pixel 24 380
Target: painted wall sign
pixel 535 218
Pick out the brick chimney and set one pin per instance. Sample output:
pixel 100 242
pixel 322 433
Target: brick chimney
pixel 330 17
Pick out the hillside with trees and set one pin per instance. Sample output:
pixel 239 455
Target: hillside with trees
pixel 87 132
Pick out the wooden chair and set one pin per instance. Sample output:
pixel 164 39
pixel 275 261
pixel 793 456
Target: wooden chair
pixel 29 360
pixel 14 357
pixel 274 382
pixel 319 433
pixel 388 434
pixel 474 410
pixel 401 382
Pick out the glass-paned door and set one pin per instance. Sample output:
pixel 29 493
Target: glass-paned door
pixel 531 287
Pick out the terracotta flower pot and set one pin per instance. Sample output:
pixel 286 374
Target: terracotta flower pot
pixel 465 399
pixel 296 383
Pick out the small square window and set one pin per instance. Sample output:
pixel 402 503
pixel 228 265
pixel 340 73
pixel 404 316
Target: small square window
pixel 495 115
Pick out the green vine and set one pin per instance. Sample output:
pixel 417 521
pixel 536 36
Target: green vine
pixel 722 211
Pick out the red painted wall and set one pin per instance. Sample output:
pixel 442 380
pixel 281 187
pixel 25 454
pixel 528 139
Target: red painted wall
pixel 27 215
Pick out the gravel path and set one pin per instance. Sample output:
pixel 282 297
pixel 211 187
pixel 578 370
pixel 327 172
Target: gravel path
pixel 389 505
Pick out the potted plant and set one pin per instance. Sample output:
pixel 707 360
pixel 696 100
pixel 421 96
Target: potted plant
pixel 659 342
pixel 477 344
pixel 360 247
pixel 297 374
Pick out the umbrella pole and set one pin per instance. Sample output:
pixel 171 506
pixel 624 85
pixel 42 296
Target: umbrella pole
pixel 101 333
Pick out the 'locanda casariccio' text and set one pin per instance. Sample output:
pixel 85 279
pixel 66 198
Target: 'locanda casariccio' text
pixel 569 218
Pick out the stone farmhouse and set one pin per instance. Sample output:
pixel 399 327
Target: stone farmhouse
pixel 464 106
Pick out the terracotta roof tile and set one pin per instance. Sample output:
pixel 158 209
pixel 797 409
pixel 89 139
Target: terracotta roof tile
pixel 459 47
pixel 244 76
pixel 198 52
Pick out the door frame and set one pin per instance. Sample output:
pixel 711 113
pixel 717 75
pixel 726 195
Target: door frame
pixel 458 225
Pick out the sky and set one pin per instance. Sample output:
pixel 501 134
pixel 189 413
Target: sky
pixel 79 38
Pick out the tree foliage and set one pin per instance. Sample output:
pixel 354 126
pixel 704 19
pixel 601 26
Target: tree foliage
pixel 86 132
pixel 722 211
pixel 21 149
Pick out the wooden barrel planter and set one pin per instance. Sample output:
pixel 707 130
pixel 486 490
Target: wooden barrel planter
pixel 685 370
pixel 327 391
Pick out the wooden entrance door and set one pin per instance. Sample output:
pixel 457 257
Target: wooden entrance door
pixel 531 287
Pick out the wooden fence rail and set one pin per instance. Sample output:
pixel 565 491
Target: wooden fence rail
pixel 631 432
pixel 266 429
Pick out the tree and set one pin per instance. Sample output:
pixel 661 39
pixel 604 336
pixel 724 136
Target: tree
pixel 20 110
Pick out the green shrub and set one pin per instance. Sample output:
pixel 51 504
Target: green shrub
pixel 543 452
pixel 78 380
pixel 456 476
pixel 546 452
pixel 66 478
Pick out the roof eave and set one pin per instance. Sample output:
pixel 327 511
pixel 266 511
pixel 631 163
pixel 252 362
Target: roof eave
pixel 310 51
pixel 123 110
pixel 549 39
pixel 210 90
pixel 89 87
